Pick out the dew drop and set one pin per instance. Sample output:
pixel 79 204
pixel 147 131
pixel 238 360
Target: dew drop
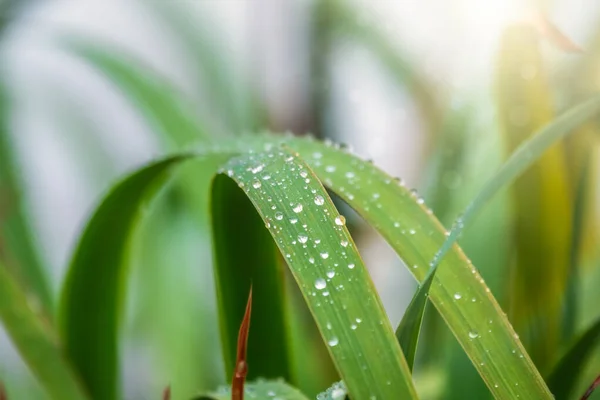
pixel 325 255
pixel 344 243
pixel 320 284
pixel 302 238
pixel 297 208
pixel 350 175
pixel 473 335
pixel 256 184
pixel 278 216
pixel 412 231
pixel 303 173
pixel 333 341
pixel 330 168
pixel 457 296
pixel 293 220
pixel 340 220
pixel 351 266
pixel 330 274
pixel 319 200
pixel 311 260
pixel 257 169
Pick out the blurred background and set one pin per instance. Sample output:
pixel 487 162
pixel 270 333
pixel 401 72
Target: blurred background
pixel 437 92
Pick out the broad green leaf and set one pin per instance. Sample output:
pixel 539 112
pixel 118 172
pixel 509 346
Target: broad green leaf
pixel 259 390
pixel 244 254
pixel 92 291
pixel 329 271
pixel 565 374
pixel 36 341
pixel 409 329
pixel 19 252
pixel 542 202
pixel 458 292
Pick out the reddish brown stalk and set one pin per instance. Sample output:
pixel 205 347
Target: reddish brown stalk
pixel 167 393
pixel 591 389
pixel 241 367
pixel 3 395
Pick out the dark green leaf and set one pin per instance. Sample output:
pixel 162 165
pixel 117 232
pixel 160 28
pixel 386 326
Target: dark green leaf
pixel 567 371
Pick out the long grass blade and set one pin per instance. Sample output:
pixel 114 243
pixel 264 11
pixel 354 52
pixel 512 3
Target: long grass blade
pixel 329 271
pixel 565 374
pixel 458 291
pixel 36 342
pixel 92 291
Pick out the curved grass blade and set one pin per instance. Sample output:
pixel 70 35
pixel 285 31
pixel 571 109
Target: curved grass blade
pixel 542 202
pixel 329 271
pixel 567 371
pixel 91 293
pixel 409 328
pixel 17 248
pixel 161 104
pixel 458 291
pixel 244 256
pixel 36 342
pixel 259 390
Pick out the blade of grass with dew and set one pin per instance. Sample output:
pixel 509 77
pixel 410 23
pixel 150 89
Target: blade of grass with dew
pixel 565 374
pixel 36 342
pixel 515 369
pixel 243 255
pixel 542 204
pixel 329 271
pixel 458 292
pixel 409 328
pixel 369 356
pixel 259 390
pixel 17 248
pixel 227 90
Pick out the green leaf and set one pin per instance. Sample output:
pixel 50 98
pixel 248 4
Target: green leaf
pixel 92 292
pixel 244 254
pixel 458 291
pixel 18 250
pixel 542 202
pixel 36 342
pixel 260 390
pixel 329 271
pixel 409 328
pixel 567 371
